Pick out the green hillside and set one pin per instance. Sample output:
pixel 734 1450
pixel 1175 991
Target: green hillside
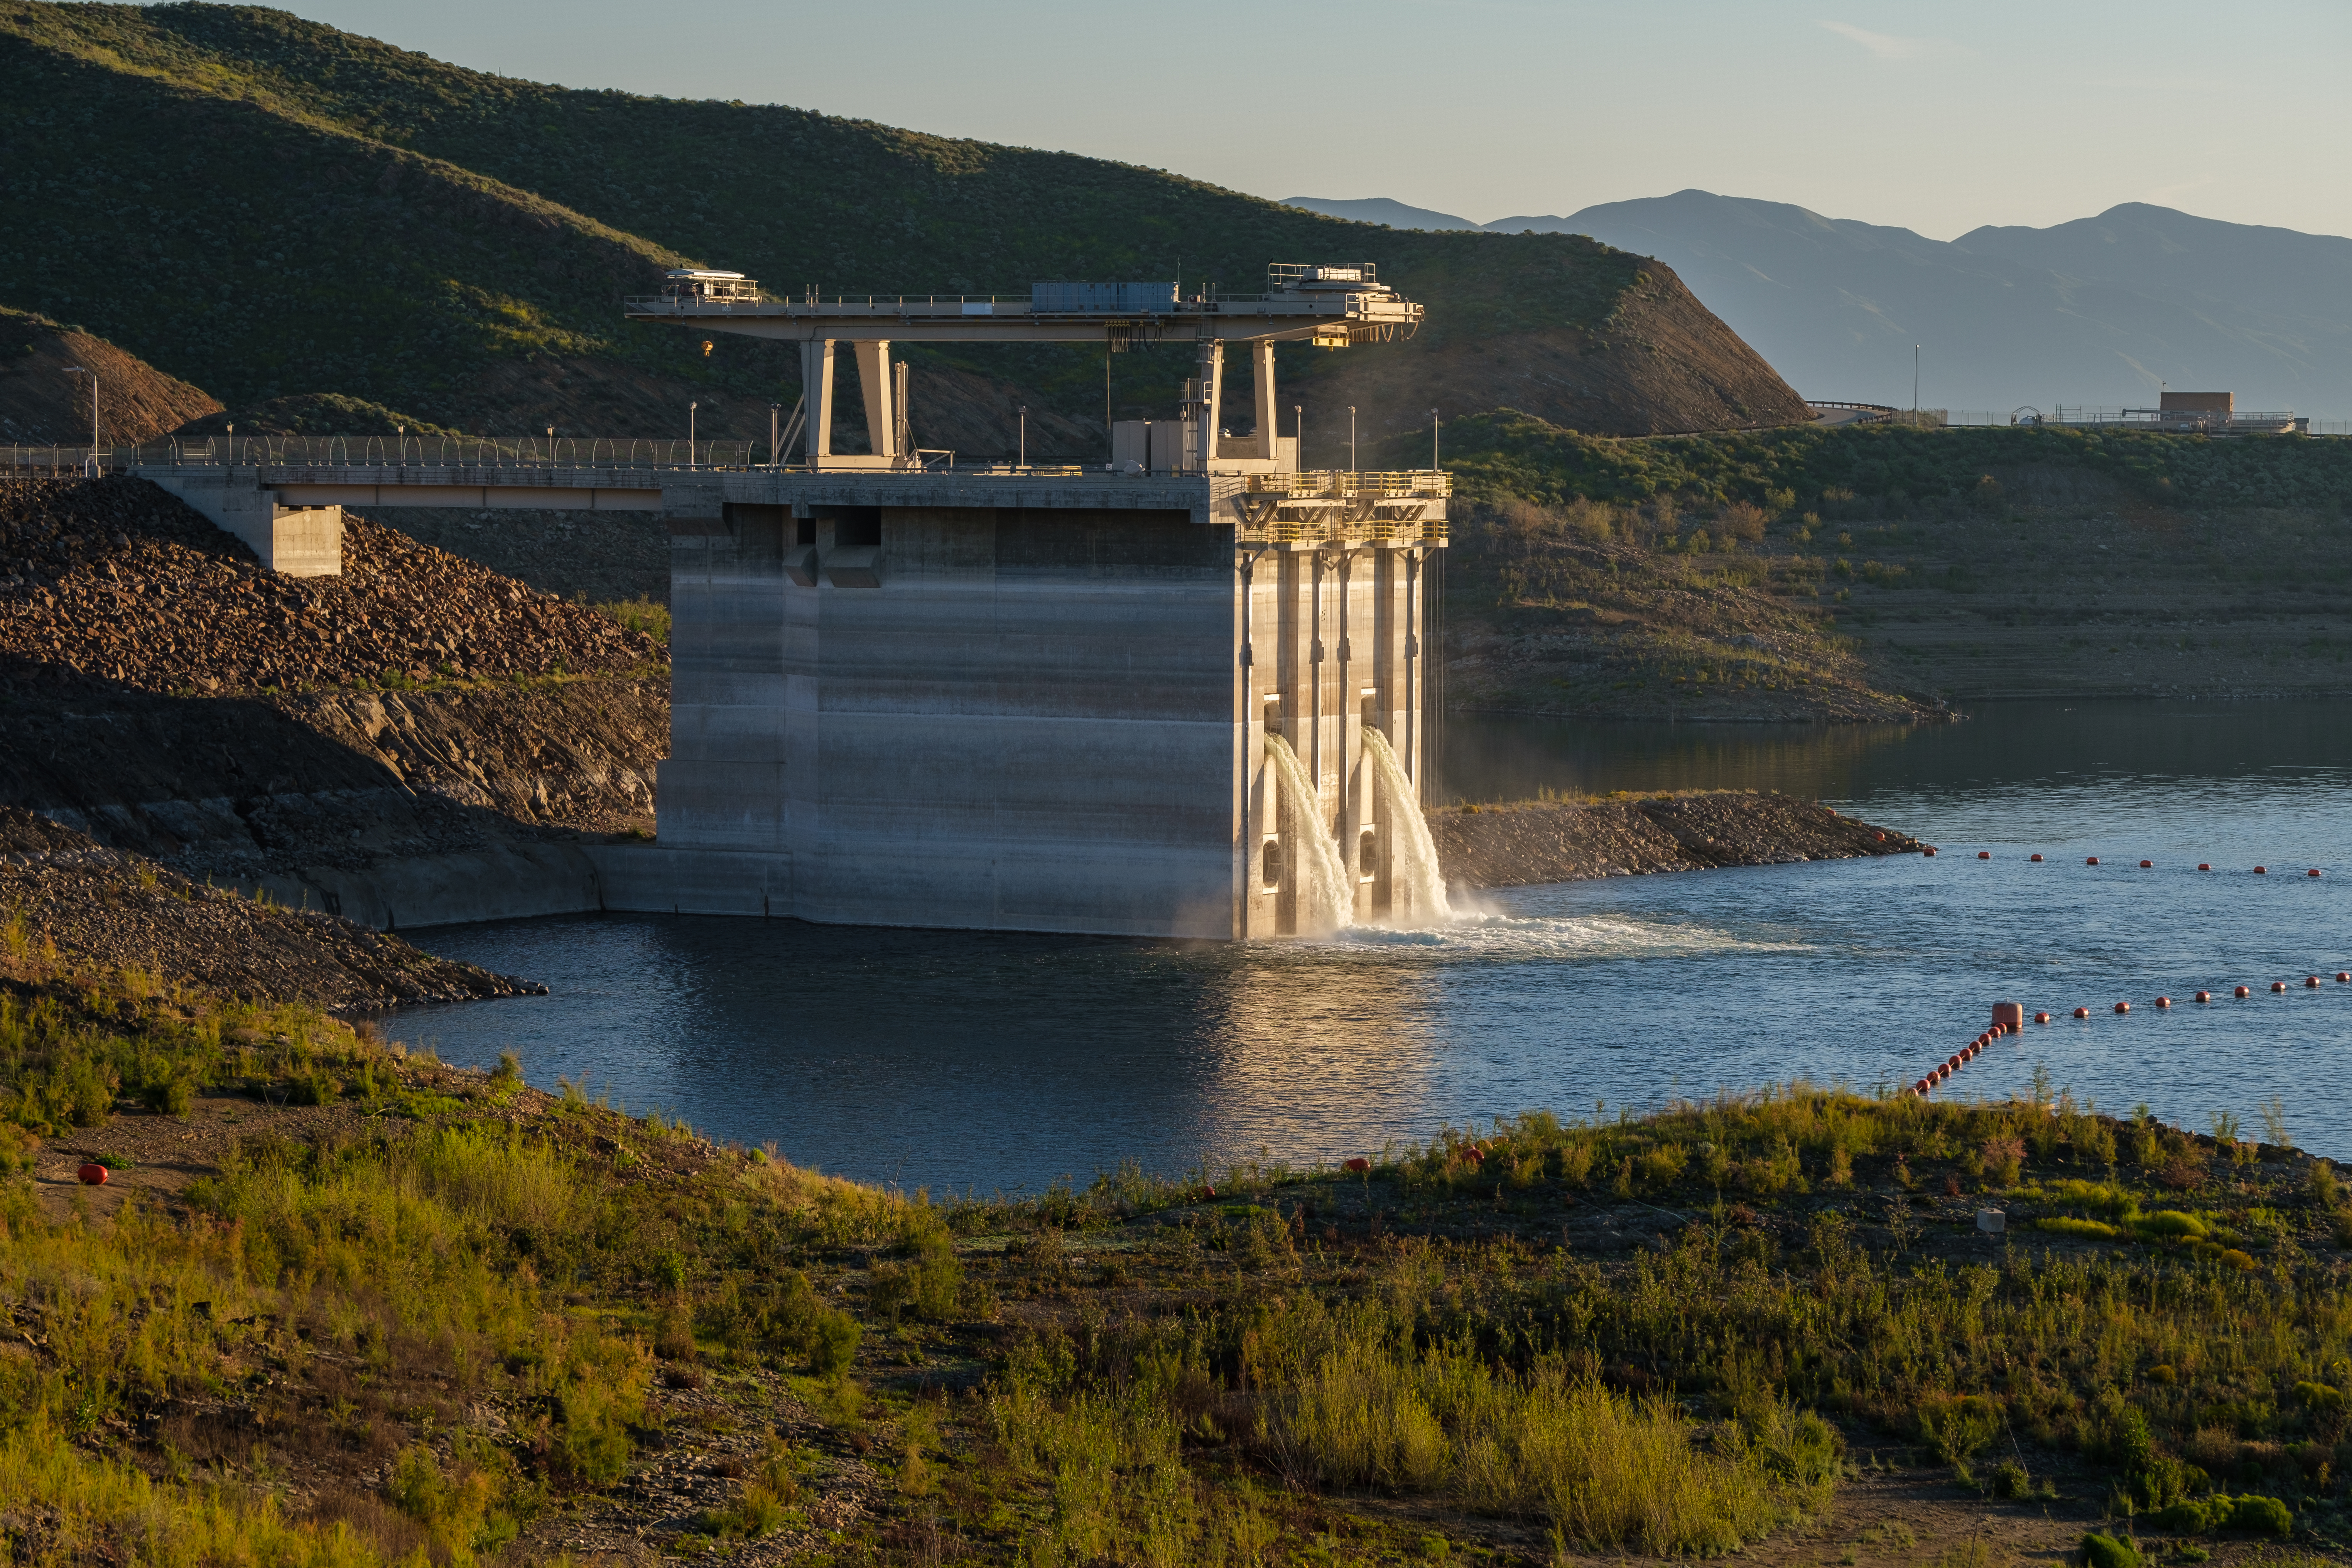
pixel 308 211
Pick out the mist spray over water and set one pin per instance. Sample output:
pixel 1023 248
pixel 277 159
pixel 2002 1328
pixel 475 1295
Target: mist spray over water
pixel 1416 881
pixel 1327 894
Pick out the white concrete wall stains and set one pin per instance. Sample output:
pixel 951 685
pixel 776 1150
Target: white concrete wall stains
pixel 1038 717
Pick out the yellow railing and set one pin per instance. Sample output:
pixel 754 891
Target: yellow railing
pixel 1425 482
pixel 1331 528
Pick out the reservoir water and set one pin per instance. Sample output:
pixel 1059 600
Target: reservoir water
pixel 962 1061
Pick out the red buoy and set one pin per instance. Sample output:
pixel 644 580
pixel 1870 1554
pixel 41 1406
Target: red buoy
pixel 1882 838
pixel 2035 858
pixel 1930 851
pixel 2312 872
pixel 2204 996
pixel 2090 859
pixel 2123 1006
pixel 1984 854
pixel 2082 1011
pixel 2261 870
pixel 2342 975
pixel 1953 1063
pixel 2201 866
pixel 2278 984
pixel 1919 1087
pixel 92 1174
pixel 2148 865
pixel 2042 1017
pixel 2164 1001
pixel 2242 990
pixel 2011 1014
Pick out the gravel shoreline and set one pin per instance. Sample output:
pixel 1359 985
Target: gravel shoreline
pixel 1570 841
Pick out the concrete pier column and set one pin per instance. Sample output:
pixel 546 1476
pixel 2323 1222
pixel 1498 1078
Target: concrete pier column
pixel 874 383
pixel 817 387
pixel 300 541
pixel 1262 390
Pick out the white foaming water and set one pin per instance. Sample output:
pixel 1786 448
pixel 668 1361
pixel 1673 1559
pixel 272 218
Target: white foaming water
pixel 1327 895
pixel 1519 937
pixel 1416 881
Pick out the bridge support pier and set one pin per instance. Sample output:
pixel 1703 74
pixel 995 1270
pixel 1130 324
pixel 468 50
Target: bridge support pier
pixel 300 541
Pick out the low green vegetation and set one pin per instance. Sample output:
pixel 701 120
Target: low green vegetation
pixel 1866 572
pixel 1876 470
pixel 650 616
pixel 460 1316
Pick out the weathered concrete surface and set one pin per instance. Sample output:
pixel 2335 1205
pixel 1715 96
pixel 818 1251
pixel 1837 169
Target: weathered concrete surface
pixel 298 541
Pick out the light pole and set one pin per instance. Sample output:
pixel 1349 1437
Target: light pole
pixel 1022 460
pixel 690 432
pixel 1352 466
pixel 1299 435
pixel 1433 441
pixel 1914 386
pixel 90 467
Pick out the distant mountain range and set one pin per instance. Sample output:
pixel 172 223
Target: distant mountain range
pixel 2102 310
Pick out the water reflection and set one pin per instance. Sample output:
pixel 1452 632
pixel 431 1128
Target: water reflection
pixel 975 1060
pixel 1501 758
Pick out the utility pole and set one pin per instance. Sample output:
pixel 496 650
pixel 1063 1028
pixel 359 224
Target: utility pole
pixel 690 433
pixel 1024 437
pixel 1299 434
pixel 1433 441
pixel 90 467
pixel 775 412
pixel 1353 466
pixel 1914 386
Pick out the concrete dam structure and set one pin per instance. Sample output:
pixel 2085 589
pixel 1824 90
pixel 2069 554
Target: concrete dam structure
pixel 1182 695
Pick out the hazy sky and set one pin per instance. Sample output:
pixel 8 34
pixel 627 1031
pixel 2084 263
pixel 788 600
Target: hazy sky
pixel 1935 117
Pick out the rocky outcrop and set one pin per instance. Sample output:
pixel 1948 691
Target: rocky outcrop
pixel 1569 841
pixel 72 904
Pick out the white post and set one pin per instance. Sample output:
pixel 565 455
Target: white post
pixel 874 382
pixel 816 389
pixel 1262 365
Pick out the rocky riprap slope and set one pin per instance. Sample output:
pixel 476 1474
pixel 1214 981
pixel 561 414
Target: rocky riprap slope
pixel 116 579
pixel 106 910
pixel 1568 841
pixel 162 691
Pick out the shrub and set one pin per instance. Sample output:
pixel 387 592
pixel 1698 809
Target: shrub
pixel 2260 1516
pixel 1959 1429
pixel 2063 1224
pixel 2170 1223
pixel 2107 1551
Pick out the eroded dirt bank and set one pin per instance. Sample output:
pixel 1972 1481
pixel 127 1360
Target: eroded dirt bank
pixel 1569 841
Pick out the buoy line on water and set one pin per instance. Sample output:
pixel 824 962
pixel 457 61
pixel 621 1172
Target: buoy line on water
pixel 2009 1018
pixel 1928 850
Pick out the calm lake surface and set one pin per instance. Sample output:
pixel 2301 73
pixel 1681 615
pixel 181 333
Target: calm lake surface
pixel 966 1061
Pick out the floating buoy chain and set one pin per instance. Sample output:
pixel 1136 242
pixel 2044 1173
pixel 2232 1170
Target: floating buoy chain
pixel 2144 864
pixel 2009 1018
